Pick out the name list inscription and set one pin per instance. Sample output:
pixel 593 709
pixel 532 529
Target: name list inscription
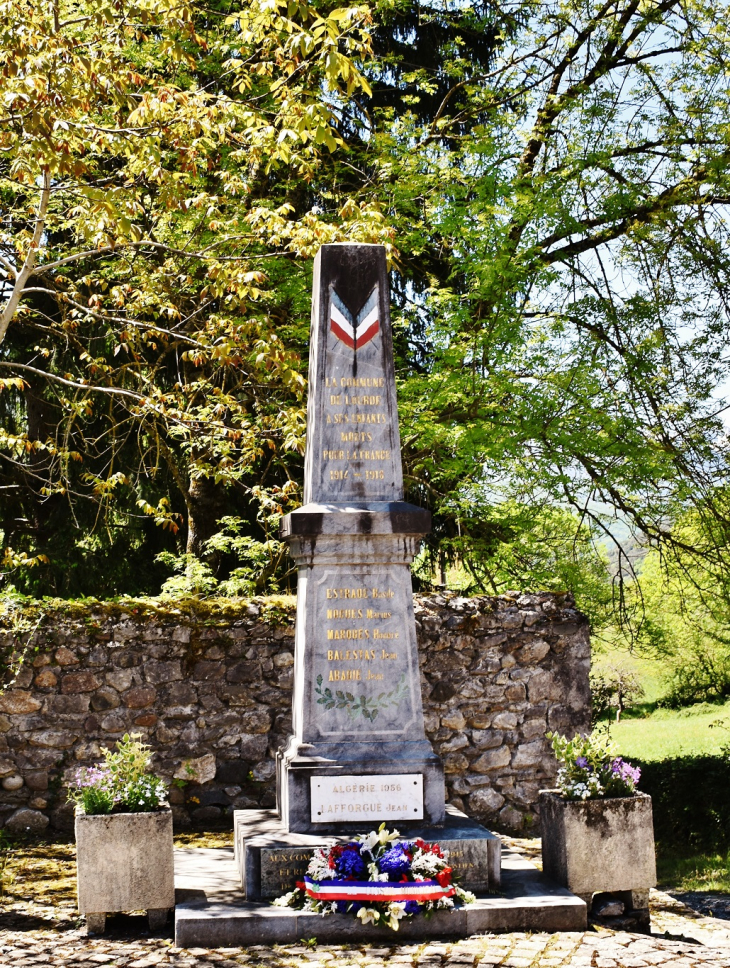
pixel 398 796
pixel 355 651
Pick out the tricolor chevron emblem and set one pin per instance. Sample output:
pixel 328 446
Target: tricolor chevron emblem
pixel 354 331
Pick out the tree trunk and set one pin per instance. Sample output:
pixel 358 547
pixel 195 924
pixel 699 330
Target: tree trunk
pixel 206 505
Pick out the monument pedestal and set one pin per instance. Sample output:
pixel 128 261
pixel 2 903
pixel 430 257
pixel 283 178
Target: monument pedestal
pixel 359 754
pixel 212 912
pixel 270 858
pixel 325 788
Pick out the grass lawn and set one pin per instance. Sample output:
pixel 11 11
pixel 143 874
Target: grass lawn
pixel 685 870
pixel 649 733
pixel 661 734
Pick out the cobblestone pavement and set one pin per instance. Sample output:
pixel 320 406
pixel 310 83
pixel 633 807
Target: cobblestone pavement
pixel 681 938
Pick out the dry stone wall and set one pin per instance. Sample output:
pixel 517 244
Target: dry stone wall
pixel 211 692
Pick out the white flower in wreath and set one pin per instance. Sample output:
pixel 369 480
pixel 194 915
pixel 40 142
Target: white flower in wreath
pixel 374 874
pixel 368 915
pixel 319 865
pixel 284 900
pixel 445 902
pixel 396 911
pixel 370 840
pixel 427 865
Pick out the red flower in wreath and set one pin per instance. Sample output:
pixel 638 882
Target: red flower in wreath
pixel 444 877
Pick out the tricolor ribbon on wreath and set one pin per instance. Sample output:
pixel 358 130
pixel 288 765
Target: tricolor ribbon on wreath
pixel 336 890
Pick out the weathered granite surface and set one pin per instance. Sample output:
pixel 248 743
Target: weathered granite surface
pixel 600 845
pixel 357 699
pixel 213 697
pixel 125 863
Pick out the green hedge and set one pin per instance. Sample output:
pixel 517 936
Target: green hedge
pixel 690 800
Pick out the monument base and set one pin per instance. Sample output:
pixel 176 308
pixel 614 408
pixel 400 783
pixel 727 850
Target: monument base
pixel 270 859
pixel 299 768
pixel 212 912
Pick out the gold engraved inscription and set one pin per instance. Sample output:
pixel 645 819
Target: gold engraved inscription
pixel 359 382
pixel 345 675
pixel 357 418
pixel 359 633
pixel 364 400
pixel 355 454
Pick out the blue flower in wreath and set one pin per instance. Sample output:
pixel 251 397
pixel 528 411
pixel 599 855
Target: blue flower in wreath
pixel 343 907
pixel 350 864
pixel 412 907
pixel 395 863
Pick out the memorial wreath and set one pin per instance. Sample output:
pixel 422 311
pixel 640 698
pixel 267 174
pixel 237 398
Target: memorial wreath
pixel 378 879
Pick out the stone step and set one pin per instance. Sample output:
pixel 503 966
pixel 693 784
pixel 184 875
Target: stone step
pixel 211 910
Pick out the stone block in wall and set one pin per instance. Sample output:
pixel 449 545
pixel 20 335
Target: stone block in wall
pixel 18 701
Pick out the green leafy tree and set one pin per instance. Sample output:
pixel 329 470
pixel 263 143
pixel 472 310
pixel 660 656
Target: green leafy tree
pixel 147 362
pixel 687 621
pixel 562 270
pixel 555 177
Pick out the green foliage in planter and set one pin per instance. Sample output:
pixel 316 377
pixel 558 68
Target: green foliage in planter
pixel 122 782
pixel 589 768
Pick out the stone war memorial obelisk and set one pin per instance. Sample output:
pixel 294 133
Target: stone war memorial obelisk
pixel 358 755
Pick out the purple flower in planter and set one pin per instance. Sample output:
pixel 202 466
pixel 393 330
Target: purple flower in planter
pixel 582 763
pixel 92 776
pixel 625 771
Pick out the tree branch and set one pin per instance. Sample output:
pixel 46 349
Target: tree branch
pixel 25 273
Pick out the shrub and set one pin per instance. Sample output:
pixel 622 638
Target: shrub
pixel 690 800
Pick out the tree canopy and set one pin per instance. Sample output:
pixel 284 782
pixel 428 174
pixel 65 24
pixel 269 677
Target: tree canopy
pixel 552 182
pixel 149 155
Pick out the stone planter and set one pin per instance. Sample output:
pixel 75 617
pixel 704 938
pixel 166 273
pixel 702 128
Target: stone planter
pixel 596 846
pixel 124 863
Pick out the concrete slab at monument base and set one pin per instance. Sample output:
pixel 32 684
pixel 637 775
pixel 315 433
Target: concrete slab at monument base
pixel 211 910
pixel 124 863
pixel 600 846
pixel 270 859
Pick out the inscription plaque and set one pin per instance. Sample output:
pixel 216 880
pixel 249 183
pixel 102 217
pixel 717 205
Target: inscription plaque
pixel 282 867
pixel 395 796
